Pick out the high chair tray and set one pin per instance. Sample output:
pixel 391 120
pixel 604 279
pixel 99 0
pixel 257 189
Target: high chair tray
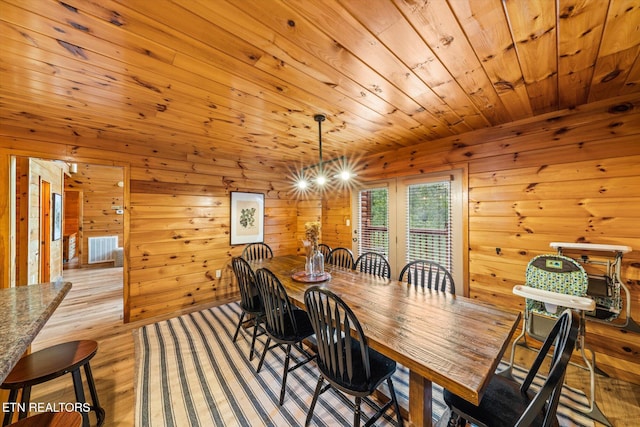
pixel 569 301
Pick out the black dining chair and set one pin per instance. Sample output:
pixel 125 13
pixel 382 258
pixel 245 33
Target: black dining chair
pixel 506 403
pixel 325 249
pixel 373 263
pixel 285 324
pixel 428 274
pixel 344 359
pixel 341 257
pixel 255 251
pixel 250 301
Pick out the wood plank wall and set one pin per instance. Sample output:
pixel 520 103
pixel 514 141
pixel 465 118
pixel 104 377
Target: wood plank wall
pixel 37 171
pixel 565 176
pixel 309 210
pixel 569 176
pixel 180 235
pixel 177 213
pixel 21 230
pixel 336 213
pixel 72 211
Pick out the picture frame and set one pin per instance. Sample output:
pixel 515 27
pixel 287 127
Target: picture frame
pixel 57 217
pixel 247 218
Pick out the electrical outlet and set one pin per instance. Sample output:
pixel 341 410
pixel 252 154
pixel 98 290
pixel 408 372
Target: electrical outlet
pixel 218 274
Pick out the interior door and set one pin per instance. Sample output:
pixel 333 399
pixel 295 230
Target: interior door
pixel 45 232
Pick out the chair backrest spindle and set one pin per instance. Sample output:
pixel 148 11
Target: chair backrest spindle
pixel 246 284
pixel 256 251
pixel 562 338
pixel 278 308
pixel 373 263
pixel 428 274
pixel 345 359
pixel 339 335
pixel 341 257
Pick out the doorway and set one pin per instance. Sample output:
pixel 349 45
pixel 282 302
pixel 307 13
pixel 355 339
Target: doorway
pixel 72 244
pixel 35 234
pixel 412 218
pixel 45 231
pixel 90 203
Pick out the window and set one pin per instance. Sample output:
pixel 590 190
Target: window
pixel 428 223
pixel 413 218
pixel 373 221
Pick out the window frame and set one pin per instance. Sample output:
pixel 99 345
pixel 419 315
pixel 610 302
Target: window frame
pixel 398 188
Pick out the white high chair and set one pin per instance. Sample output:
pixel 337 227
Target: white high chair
pixel 605 284
pixel 554 283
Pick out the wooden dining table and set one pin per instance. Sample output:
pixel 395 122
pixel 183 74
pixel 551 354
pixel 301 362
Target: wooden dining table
pixel 451 340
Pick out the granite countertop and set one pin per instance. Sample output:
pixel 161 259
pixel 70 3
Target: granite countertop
pixel 23 312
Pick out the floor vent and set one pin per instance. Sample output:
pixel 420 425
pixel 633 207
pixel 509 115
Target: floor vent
pixel 101 249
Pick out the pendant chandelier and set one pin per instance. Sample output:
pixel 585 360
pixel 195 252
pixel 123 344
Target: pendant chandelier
pixel 306 178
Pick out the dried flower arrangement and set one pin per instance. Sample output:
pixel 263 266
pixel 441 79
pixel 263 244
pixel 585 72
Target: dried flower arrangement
pixel 312 233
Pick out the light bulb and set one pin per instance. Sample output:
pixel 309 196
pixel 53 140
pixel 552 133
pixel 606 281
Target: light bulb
pixel 321 180
pixel 345 175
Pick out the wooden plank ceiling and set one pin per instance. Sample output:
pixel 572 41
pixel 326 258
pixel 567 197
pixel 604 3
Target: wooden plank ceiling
pixel 245 77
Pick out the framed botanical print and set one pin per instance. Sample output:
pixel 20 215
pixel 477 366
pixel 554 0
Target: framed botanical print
pixel 247 218
pixel 57 217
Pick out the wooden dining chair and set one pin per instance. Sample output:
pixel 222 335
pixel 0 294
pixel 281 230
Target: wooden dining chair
pixel 344 359
pixel 51 419
pixel 255 251
pixel 341 257
pixel 428 274
pixel 373 263
pixel 250 301
pixel 506 403
pixel 325 250
pixel 285 324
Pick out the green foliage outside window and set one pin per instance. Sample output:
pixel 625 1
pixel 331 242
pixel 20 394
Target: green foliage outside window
pixel 379 209
pixel 429 206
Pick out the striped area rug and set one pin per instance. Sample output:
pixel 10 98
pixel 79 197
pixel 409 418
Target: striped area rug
pixel 190 373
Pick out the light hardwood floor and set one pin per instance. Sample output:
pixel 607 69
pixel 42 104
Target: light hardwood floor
pixel 93 310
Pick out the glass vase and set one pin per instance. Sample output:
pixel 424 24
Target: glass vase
pixel 317 263
pixel 308 264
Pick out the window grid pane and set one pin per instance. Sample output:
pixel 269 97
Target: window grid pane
pixel 428 223
pixel 374 221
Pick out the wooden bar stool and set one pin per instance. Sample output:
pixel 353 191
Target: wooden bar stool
pixel 47 364
pixel 51 419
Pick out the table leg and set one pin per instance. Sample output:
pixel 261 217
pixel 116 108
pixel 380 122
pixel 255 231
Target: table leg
pixel 419 400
